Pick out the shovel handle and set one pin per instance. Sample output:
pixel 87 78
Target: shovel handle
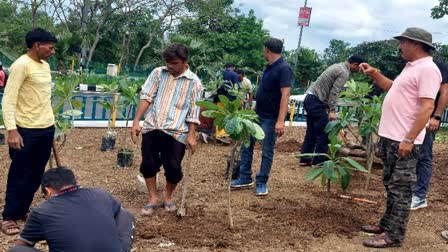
pixel 186 180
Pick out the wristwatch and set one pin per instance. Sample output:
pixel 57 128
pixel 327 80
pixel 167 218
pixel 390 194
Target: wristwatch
pixel 437 117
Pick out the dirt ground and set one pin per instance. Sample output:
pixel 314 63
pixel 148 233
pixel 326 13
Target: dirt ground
pixel 293 217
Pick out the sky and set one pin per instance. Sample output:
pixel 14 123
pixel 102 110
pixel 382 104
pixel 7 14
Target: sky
pixel 353 21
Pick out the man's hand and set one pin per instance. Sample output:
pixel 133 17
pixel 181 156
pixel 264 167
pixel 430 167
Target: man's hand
pixel 434 124
pixel 367 69
pixel 15 140
pixel 332 116
pixel 191 142
pixel 405 148
pixel 280 128
pixel 135 131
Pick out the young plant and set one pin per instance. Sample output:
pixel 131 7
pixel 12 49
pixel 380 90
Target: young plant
pixel 63 95
pixel 334 169
pixel 108 140
pixel 128 100
pixel 240 124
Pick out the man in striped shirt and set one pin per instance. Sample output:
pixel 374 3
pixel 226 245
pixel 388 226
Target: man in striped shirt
pixel 168 100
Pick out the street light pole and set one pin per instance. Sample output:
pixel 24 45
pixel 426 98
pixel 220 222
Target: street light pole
pixel 300 41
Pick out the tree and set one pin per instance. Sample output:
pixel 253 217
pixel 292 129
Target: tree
pixel 337 51
pixel 440 10
pixel 309 67
pixel 383 55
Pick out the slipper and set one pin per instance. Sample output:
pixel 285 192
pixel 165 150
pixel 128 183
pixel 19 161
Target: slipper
pixel 10 227
pixel 445 234
pixel 381 242
pixel 373 229
pixel 170 207
pixel 149 209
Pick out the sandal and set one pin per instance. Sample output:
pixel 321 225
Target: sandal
pixel 10 227
pixel 445 234
pixel 170 207
pixel 373 229
pixel 149 209
pixel 381 242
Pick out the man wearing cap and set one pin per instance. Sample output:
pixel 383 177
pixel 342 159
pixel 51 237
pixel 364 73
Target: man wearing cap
pixel 29 120
pixel 406 109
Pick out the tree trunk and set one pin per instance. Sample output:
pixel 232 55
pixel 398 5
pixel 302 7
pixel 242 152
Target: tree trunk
pixel 93 47
pixel 370 155
pixel 233 152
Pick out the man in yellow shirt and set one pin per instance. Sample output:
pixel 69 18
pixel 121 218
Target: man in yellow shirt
pixel 29 120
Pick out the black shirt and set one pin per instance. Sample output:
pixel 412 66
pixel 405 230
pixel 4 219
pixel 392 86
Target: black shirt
pixel 230 78
pixel 443 67
pixel 275 76
pixel 81 220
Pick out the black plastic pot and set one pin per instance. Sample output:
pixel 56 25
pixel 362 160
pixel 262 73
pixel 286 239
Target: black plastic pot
pixel 125 158
pixel 2 138
pixel 108 143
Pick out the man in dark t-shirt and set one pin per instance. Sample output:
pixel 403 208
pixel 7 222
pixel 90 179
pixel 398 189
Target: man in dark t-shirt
pixel 271 107
pixel 424 163
pixel 75 219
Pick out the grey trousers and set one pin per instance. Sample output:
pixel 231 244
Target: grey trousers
pixel 125 224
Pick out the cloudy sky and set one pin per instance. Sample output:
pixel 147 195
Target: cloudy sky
pixel 354 21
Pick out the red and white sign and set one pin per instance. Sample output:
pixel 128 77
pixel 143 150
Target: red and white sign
pixel 304 16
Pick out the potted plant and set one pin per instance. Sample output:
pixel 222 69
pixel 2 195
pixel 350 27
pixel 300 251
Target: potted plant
pixel 240 124
pixel 109 138
pixel 128 100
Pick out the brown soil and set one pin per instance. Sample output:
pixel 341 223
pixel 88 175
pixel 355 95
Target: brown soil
pixel 293 217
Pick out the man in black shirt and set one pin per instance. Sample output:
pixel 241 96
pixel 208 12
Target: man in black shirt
pixel 271 107
pixel 75 219
pixel 424 163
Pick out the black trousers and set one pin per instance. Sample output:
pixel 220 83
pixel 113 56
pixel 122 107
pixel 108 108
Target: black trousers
pixel 316 140
pixel 159 148
pixel 26 170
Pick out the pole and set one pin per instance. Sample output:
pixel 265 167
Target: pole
pixel 300 41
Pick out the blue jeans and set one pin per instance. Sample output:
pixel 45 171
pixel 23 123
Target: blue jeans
pixel 268 126
pixel 316 140
pixel 424 165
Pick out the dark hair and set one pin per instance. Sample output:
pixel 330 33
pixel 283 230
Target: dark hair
pixel 274 45
pixel 240 71
pixel 57 178
pixel 229 64
pixel 356 59
pixel 174 51
pixel 427 48
pixel 39 35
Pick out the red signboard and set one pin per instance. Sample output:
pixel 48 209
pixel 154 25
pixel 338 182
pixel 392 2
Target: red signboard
pixel 304 16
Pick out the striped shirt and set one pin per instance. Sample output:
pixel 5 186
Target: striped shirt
pixel 173 102
pixel 330 83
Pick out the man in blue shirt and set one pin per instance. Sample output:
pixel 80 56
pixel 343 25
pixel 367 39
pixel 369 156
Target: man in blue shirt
pixel 271 107
pixel 75 219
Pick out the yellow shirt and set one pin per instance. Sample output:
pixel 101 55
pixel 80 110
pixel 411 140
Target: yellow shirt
pixel 27 99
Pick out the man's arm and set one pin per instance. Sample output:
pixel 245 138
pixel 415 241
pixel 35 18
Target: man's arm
pixel 440 107
pixel 280 124
pixel 427 106
pixel 381 81
pixel 143 106
pixel 193 115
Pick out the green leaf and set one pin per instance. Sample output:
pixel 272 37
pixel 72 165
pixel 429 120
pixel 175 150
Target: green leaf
pixel 345 181
pixel 313 173
pixel 355 164
pixel 77 104
pixel 70 113
pixel 328 168
pixel 209 105
pixel 234 126
pixel 259 133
